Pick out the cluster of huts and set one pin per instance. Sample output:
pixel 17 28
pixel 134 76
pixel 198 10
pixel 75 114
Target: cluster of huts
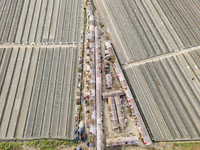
pixel 132 105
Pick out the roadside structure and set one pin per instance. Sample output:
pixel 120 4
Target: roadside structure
pixel 120 113
pixel 113 93
pixel 89 11
pixel 113 114
pixel 108 81
pixel 98 90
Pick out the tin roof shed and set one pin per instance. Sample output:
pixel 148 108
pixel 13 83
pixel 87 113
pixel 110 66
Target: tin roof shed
pixel 108 81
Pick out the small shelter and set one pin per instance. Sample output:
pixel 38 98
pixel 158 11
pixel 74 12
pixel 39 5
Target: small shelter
pixel 87 52
pixel 108 81
pixel 112 93
pixel 113 114
pixel 87 68
pixel 120 112
pixel 87 123
pixel 92 32
pixel 87 109
pixel 87 59
pixel 109 48
pixel 89 10
pixel 91 20
pixel 106 52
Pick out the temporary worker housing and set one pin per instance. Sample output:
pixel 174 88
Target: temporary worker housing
pixel 132 104
pixel 113 114
pixel 112 93
pixel 108 81
pixel 89 10
pixel 120 112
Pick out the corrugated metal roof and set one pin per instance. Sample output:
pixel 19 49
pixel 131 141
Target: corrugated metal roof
pixel 120 112
pixel 91 17
pixel 113 114
pixel 108 80
pixel 112 93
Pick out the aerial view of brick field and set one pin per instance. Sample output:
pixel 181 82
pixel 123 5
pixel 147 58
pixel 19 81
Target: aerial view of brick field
pixel 99 74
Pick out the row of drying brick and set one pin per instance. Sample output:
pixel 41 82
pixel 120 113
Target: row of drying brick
pixel 37 92
pixel 41 21
pixel 168 92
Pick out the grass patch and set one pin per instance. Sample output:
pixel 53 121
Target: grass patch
pixel 42 144
pixel 11 146
pixel 187 145
pixel 90 139
pixel 175 144
pixel 82 83
pixel 80 109
pixel 45 144
pixel 33 143
pixel 50 145
pixel 85 21
pixel 70 143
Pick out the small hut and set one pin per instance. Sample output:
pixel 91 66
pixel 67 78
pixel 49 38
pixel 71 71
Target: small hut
pixel 113 114
pixel 87 68
pixel 112 93
pixel 108 81
pixel 87 59
pixel 120 112
pixel 87 52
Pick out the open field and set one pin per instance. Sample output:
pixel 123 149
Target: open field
pixel 38 89
pixel 41 21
